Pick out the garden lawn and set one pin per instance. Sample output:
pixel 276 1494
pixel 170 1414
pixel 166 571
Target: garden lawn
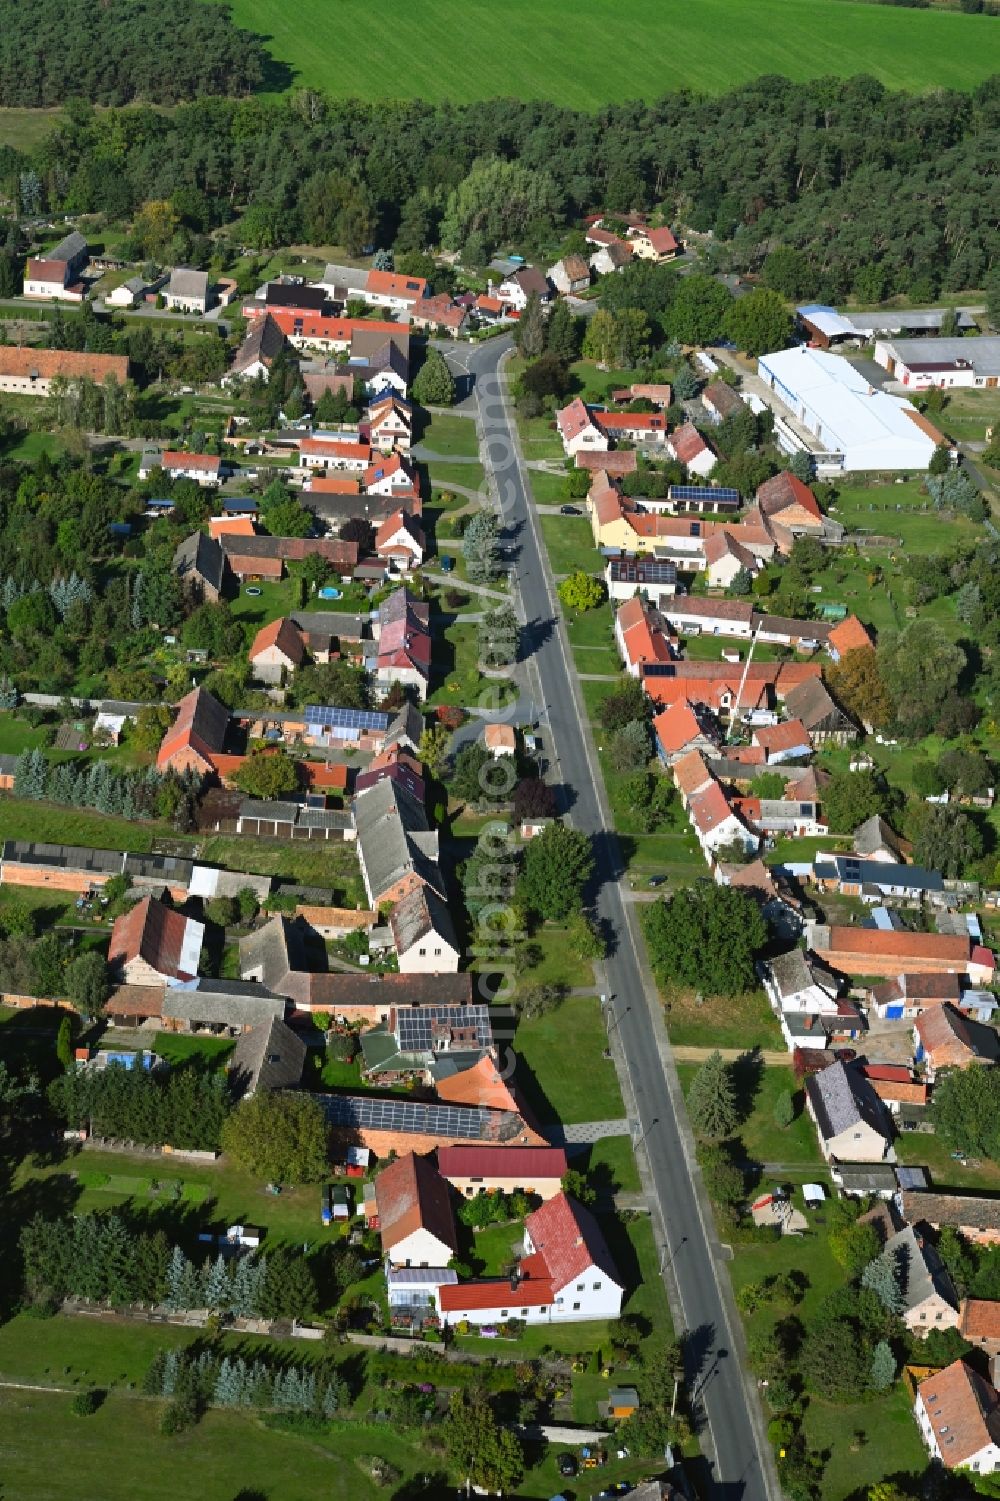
pixel 331 864
pixel 901 511
pixel 559 962
pixel 562 1070
pixel 922 1149
pixel 967 414
pixel 119 1455
pixel 49 824
pixel 72 1351
pixel 610 1164
pixel 455 674
pixel 469 476
pixel 551 489
pixel 743 1021
pixel 591 635
pixel 797 38
pixel 569 542
pixel 539 439
pixel 450 434
pixel 794 1146
pixel 16 735
pixel 273 601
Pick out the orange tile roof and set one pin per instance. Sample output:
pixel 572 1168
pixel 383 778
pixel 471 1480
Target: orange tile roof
pixel 709 808
pixel 322 448
pixel 691 773
pixel 624 461
pixel 334 484
pixel 46 364
pixel 980 1319
pixel 392 284
pixel 282 634
pixel 938 946
pixel 789 735
pixel 200 726
pixel 653 422
pixel 411 1195
pixel 231 526
pixel 849 635
pixel 963 1410
pixel 330 774
pixel 677 726
pixel 481 1086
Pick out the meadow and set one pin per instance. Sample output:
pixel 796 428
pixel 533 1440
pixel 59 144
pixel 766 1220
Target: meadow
pixel 710 47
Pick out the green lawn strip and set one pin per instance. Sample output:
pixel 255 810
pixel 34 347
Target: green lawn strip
pixel 561 1066
pixel 710 649
pixel 455 674
pixel 803 851
pixel 930 48
pixel 593 628
pixel 922 1149
pixel 449 433
pixel 559 959
pixel 178 1049
pixel 118 1454
pixel 330 864
pixel 610 1164
pixel 469 476
pixel 744 1021
pixel 594 695
pixel 227 1195
pixel 494 1248
pixel 967 414
pixel 569 542
pixel 49 824
pixel 76 1351
pixel 273 600
pixel 763 1140
pixel 892 1444
pixel 539 439
pixel 551 489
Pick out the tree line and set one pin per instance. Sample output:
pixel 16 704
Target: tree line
pixel 832 178
pixel 124 50
pixel 187 1109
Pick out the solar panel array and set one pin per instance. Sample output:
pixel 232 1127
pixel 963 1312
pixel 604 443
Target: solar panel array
pixel 415 1025
pixel 705 492
pixel 658 670
pixel 383 1113
pixel 346 719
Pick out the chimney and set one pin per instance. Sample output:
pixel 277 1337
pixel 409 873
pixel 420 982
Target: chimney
pixel 578 1241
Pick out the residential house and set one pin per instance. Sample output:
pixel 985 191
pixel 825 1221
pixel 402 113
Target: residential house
pixel 578 428
pixel 334 453
pixel 226 1007
pixel 796 982
pixel 397 849
pixel 896 1087
pixel 200 564
pixel 907 995
pixel 976 1218
pixel 787 741
pixel 422 1126
pixel 822 716
pixel 30 371
pixel 680 729
pixel 654 244
pixel 155 945
pixel 958 1414
pixel 406 729
pixel 404 643
pixel 875 840
pixel 945 1038
pixel 645 429
pixel 472 1170
pixel 263 344
pixel 266 1058
pixel 639 636
pixel 197 734
pixel 423 933
pixel 610 258
pixel 432 1041
pixel 398 767
pixel 725 559
pixel 848 635
pixel 414 1212
pixel 500 740
pixel 732 687
pixel 788 503
pixel 277 650
pixel 693 616
pixel 519 285
pixel 689 448
pixel 626 577
pixel 929 1297
pixel 440 315
pixel 400 541
pixel 204 468
pixel 874 880
pixel 720 401
pixel 57 272
pixel 265 557
pixel 691 775
pixel 570 276
pixel 565 1274
pixel 390 477
pixel 717 825
pixel 852 1122
pixel 187 290
pixel 979 1325
pixel 389 423
pixel 128 293
pixel 318 379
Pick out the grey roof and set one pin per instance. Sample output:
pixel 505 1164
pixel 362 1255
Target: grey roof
pixel 264 341
pixel 8 765
pixel 62 856
pixel 892 320
pixel 973 1212
pixel 406 728
pixel 336 509
pixel 867 1177
pixel 812 702
pixel 173 870
pixel 877 873
pixel 842 1097
pixel 416 915
pixel 227 1003
pixel 394 838
pixel 272 1056
pixel 875 834
pixel 269 949
pixel 184 282
pixel 68 248
pixel 920 1269
pixel 795 971
pixel 982 352
pixel 200 556
pixel 345 279
pixel 274 811
pixel 344 626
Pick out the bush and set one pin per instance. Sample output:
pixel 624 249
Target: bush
pixel 343 1046
pixel 86 1403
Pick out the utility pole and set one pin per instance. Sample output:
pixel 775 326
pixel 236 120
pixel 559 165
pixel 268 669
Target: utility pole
pixel 739 692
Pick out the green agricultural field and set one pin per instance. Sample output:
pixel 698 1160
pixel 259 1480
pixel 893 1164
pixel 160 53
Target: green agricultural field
pixel 680 47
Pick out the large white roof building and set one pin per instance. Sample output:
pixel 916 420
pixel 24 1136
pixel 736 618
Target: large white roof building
pixel 854 425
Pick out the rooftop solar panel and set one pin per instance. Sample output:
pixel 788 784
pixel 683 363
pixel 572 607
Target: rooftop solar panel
pixel 382 1113
pixel 346 719
pixel 703 492
pixel 415 1025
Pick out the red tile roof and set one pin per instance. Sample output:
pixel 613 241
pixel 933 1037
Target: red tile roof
pixel 231 526
pixel 710 808
pixel 789 735
pixel 691 773
pixel 849 635
pixel 325 449
pixel 325 774
pixel 45 364
pixel 334 484
pixel 204 461
pixel 337 330
pixel 677 726
pixel 980 1319
pixel 573 419
pixel 783 491
pixel 567 1240
pixel 469 1297
pixel 524 1164
pixel 652 422
pixel 411 1195
pixel 624 461
pixel 963 1410
pixel 903 946
pixel 687 443
pixel 282 634
pixel 662 240
pixel 392 284
pixel 153 932
pixel 200 726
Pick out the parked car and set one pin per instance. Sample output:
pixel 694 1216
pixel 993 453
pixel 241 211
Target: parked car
pixel 570 511
pixel 657 880
pixel 568 1465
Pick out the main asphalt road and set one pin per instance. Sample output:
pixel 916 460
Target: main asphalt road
pixel 715 1381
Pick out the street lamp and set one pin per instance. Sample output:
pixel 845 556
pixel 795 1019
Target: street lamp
pixel 640 1139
